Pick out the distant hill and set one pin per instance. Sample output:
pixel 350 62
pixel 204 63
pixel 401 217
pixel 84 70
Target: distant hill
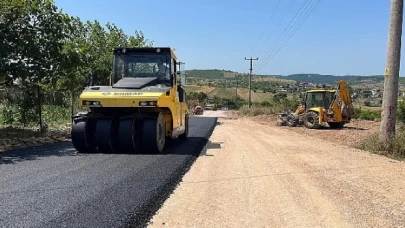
pixel 310 78
pixel 206 74
pixel 217 74
pixel 329 79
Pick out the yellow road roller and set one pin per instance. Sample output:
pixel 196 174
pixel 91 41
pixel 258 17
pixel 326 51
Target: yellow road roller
pixel 143 105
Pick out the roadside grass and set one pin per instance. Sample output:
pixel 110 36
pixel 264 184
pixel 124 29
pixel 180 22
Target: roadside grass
pixel 395 148
pixel 53 116
pixel 15 135
pixel 264 109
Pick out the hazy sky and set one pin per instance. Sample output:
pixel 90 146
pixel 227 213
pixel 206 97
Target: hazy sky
pixel 339 37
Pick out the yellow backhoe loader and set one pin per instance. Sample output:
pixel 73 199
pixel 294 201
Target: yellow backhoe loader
pixel 144 104
pixel 319 106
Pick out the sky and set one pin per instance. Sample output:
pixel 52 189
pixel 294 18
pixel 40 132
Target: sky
pixel 340 37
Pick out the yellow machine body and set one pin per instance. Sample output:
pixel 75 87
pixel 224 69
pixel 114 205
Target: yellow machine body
pixel 167 103
pixel 139 95
pixel 319 106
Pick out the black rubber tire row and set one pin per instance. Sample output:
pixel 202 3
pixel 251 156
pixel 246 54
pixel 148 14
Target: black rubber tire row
pixel 125 135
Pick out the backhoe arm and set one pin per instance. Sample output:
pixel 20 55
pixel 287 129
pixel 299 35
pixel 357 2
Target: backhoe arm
pixel 341 101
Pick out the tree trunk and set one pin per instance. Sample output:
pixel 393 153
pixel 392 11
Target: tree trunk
pixel 72 102
pixel 40 109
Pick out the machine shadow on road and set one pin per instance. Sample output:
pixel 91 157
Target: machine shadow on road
pixel 357 128
pixel 341 129
pixel 210 145
pixel 193 146
pixel 28 154
pixel 336 129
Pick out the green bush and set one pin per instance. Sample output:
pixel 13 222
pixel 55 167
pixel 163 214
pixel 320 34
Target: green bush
pixel 52 115
pixel 228 102
pixel 197 96
pixel 366 114
pixel 7 115
pixel 268 107
pixel 56 116
pixel 20 107
pixel 279 97
pixel 401 112
pixel 14 114
pixel 265 104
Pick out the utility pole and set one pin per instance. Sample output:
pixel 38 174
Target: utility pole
pixel 390 96
pixel 236 87
pixel 250 79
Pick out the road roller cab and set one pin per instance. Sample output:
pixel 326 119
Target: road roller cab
pixel 144 105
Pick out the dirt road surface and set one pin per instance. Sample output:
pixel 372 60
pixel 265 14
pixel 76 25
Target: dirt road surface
pixel 255 175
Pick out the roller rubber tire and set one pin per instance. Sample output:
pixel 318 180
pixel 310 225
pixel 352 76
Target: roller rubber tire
pixel 154 134
pixel 82 134
pixel 184 136
pixel 106 135
pixel 129 135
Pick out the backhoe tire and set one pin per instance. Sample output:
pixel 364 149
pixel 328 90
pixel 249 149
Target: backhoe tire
pixel 154 134
pixel 311 120
pixel 82 134
pixel 292 120
pixel 336 125
pixel 184 136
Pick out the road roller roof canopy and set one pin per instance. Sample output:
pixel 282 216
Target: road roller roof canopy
pixel 146 50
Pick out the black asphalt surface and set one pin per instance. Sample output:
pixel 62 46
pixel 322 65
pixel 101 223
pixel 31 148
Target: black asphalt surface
pixel 53 186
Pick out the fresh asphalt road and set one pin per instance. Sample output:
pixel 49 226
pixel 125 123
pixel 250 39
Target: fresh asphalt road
pixel 53 186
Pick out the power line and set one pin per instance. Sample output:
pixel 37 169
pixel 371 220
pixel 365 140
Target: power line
pixel 272 32
pixel 291 33
pixel 264 50
pixel 299 14
pixel 267 25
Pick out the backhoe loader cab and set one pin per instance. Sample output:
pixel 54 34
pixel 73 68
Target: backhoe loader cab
pixel 144 104
pixel 318 98
pixel 332 106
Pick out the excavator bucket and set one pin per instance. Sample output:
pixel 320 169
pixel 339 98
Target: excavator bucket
pixel 282 119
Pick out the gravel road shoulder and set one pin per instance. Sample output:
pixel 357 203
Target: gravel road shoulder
pixel 257 175
pixel 352 134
